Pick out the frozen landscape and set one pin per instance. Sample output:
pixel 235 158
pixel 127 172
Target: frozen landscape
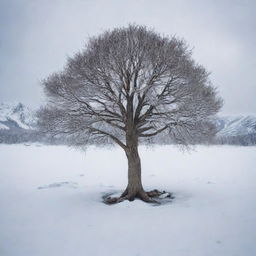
pixel 119 76
pixel 17 125
pixel 51 202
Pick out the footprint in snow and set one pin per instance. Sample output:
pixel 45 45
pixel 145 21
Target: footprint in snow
pixel 60 184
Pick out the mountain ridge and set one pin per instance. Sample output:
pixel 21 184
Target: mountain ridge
pixel 16 119
pixel 16 116
pixel 236 125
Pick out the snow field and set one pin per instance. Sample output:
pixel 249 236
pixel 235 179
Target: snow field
pixel 50 202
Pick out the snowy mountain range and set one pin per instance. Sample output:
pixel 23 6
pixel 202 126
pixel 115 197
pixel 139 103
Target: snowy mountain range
pixel 17 119
pixel 236 125
pixel 16 116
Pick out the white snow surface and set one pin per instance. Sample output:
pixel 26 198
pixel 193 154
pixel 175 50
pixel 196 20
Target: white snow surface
pixel 50 202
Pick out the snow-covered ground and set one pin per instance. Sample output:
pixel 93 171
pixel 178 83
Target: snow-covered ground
pixel 50 202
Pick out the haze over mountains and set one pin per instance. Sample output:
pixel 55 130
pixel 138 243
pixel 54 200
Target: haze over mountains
pixel 17 124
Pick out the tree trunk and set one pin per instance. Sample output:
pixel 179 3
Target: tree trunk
pixel 134 188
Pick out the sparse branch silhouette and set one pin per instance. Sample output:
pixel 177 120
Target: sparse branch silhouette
pixel 126 86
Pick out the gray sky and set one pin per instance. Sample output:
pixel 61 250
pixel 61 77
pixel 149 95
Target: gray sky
pixel 36 36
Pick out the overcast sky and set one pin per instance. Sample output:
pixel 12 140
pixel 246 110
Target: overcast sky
pixel 36 36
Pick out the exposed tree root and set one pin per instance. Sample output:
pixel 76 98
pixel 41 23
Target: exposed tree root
pixel 154 193
pixel 125 193
pixel 153 196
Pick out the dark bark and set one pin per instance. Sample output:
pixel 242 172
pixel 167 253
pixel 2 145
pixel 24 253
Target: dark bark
pixel 134 173
pixel 134 188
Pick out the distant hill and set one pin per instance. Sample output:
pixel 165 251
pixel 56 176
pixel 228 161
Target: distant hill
pixel 239 130
pixel 234 126
pixel 18 124
pixel 16 116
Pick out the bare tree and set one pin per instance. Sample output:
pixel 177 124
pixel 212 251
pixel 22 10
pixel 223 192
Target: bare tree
pixel 126 86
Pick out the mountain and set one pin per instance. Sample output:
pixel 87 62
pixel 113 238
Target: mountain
pixel 17 124
pixel 16 116
pixel 239 130
pixel 236 126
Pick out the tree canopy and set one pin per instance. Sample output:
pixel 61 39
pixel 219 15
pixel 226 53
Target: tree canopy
pixel 127 86
pixel 130 70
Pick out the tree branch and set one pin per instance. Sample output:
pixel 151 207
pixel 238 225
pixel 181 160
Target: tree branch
pixel 120 143
pixel 154 133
